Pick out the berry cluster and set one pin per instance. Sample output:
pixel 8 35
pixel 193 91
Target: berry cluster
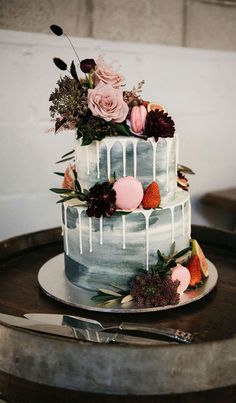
pixel 151 290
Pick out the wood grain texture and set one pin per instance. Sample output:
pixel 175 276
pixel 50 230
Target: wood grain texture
pixel 210 319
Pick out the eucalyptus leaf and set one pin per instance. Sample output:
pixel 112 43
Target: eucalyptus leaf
pixel 73 71
pixel 109 292
pixel 126 299
pixel 80 196
pixel 160 256
pixel 122 212
pixel 65 199
pixel 69 153
pixel 59 173
pixel 79 134
pixel 101 298
pixel 64 160
pixel 86 140
pixel 182 253
pixel 111 301
pixel 61 191
pixel 171 264
pixel 122 129
pixel 120 288
pixel 77 186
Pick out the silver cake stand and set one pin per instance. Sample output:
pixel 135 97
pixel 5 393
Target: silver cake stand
pixel 54 283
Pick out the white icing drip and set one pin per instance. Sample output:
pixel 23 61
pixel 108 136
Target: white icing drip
pixel 98 158
pixel 147 214
pixel 90 235
pixel 177 152
pixel 109 142
pixel 123 232
pixel 135 157
pixel 77 150
pixel 189 218
pixel 62 225
pixel 66 230
pixel 108 163
pixel 172 223
pixel 124 158
pixel 183 217
pixel 87 159
pixel 101 231
pixel 168 147
pixel 154 152
pixel 80 232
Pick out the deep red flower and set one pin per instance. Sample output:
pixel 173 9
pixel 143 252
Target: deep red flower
pixel 159 124
pixel 101 200
pixel 87 65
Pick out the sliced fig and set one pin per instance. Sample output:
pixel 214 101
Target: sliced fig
pixel 198 251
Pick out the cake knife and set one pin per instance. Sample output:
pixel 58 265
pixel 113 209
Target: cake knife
pixel 88 324
pixel 78 334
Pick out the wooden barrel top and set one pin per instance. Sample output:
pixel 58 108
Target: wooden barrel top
pixel 211 319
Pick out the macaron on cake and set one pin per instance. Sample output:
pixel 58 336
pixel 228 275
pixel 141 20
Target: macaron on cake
pixel 129 193
pixel 182 274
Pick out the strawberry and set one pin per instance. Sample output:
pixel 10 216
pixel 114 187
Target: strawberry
pixel 151 198
pixel 194 268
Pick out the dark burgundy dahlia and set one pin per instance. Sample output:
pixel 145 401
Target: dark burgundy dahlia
pixel 101 200
pixel 159 124
pixel 151 290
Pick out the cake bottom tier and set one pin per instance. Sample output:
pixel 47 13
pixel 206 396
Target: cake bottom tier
pixel 100 252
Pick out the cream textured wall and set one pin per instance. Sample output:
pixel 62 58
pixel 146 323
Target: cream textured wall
pixel 209 24
pixel 197 86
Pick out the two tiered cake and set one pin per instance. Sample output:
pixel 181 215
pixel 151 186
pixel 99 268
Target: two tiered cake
pixel 126 213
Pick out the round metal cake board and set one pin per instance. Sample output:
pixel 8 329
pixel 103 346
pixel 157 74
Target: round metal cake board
pixel 54 283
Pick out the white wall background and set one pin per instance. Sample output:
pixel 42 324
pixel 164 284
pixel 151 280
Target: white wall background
pixel 197 86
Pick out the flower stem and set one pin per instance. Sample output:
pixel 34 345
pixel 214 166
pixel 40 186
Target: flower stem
pixel 72 47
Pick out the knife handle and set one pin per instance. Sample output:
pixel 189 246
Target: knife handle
pixel 140 341
pixel 175 334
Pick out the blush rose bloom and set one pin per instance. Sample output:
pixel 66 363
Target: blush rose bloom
pixel 106 73
pixel 107 102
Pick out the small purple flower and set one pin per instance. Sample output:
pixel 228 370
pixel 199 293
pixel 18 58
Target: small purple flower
pixel 87 65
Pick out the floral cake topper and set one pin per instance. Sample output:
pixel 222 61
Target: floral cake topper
pixel 96 105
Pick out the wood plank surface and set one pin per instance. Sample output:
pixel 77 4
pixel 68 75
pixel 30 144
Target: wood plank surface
pixel 210 319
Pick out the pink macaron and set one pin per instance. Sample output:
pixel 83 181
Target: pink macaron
pixel 129 193
pixel 182 274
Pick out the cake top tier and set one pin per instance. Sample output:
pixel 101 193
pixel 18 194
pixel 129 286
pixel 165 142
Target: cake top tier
pixel 98 105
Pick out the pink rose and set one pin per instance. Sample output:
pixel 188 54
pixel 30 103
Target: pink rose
pixel 107 103
pixel 105 73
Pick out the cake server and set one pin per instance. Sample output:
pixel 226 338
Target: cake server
pixel 85 323
pixel 78 334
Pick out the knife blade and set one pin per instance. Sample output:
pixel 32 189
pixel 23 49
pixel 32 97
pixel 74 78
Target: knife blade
pixel 78 334
pixel 175 335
